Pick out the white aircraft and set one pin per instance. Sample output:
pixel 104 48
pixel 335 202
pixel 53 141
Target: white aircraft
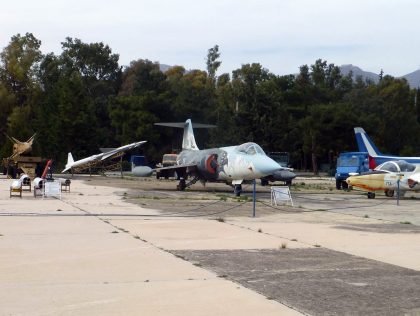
pixel 233 164
pixel 99 157
pixel 365 144
pixel 389 177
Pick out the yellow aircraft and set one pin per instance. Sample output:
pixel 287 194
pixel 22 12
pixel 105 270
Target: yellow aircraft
pixel 389 177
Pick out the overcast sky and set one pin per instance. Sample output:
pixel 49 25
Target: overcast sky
pixel 280 34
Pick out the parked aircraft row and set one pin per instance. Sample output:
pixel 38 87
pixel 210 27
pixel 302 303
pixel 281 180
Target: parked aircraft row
pixel 236 164
pixel 232 165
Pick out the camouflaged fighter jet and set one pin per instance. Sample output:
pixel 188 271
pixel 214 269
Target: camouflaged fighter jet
pixel 232 165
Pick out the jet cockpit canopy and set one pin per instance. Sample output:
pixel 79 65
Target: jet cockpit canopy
pixel 396 166
pixel 250 149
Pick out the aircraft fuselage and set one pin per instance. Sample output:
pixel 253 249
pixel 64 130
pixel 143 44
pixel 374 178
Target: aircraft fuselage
pixel 228 164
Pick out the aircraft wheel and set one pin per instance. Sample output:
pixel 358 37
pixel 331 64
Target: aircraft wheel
pixel 181 186
pixel 344 185
pixel 389 193
pixel 338 184
pixel 371 195
pixel 237 189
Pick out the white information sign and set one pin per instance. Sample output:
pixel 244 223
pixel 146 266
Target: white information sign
pixel 52 189
pixel 281 195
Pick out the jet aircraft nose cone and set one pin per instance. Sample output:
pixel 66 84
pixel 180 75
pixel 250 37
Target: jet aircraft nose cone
pixel 285 175
pixel 266 166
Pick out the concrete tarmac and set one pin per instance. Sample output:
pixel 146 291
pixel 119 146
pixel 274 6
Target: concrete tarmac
pixel 94 253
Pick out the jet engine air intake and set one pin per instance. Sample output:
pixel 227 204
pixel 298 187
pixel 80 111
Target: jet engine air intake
pixel 208 165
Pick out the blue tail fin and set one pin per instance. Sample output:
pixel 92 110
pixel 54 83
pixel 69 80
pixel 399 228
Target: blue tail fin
pixel 364 143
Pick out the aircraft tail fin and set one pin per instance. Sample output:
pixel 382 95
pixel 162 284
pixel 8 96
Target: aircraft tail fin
pixel 188 140
pixel 364 142
pixel 70 159
pixel 70 162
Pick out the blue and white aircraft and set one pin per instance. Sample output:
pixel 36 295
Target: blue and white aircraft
pixel 233 164
pixel 365 144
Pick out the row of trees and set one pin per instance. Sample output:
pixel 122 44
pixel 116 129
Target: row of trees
pixel 83 99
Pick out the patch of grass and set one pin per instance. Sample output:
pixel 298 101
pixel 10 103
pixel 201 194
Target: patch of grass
pixel 1 235
pixel 243 198
pixel 59 210
pixel 197 264
pixel 220 219
pixel 137 237
pixel 81 194
pixel 223 198
pixel 114 232
pixel 156 198
pixel 259 230
pixel 366 216
pixel 320 210
pixel 316 245
pixel 224 276
pixel 283 245
pixel 106 222
pixel 294 239
pixel 405 222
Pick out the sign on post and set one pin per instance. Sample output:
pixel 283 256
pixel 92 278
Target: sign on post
pixel 52 189
pixel 281 195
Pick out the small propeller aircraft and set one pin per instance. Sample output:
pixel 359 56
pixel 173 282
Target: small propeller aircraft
pixel 232 165
pixel 389 177
pixel 93 160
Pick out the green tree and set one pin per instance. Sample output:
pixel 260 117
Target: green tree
pixel 19 88
pixel 212 62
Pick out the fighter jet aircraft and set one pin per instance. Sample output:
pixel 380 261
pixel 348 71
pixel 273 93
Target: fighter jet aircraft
pixel 365 144
pixel 232 165
pixel 389 177
pixel 99 157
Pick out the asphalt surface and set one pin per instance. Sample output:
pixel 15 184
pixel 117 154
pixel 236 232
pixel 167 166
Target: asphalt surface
pixel 317 281
pixel 344 254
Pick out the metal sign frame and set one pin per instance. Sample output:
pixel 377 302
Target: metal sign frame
pixel 281 194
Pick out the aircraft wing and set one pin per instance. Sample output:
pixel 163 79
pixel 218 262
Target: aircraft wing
pixel 191 166
pixel 121 149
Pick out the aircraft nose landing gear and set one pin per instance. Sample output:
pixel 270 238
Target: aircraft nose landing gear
pixel 237 189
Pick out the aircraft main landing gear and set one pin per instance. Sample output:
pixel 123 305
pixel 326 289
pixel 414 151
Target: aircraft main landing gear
pixel 237 189
pixel 389 193
pixel 371 195
pixel 182 185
